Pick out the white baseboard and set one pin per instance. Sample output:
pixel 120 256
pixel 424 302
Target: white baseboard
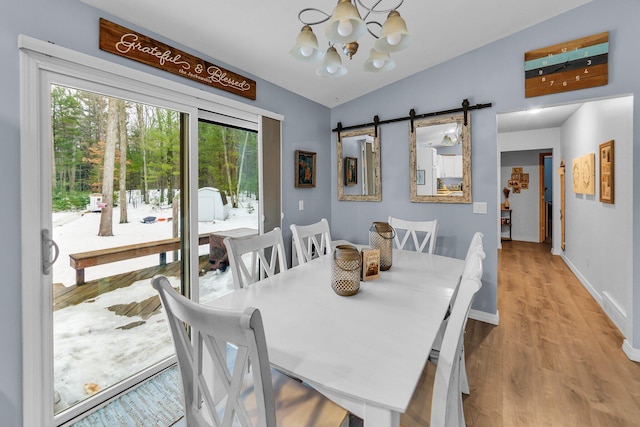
pixel 631 352
pixel 612 309
pixel 483 316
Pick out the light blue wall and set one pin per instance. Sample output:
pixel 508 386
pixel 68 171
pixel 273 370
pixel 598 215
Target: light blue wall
pixel 491 74
pixel 74 25
pixel 495 74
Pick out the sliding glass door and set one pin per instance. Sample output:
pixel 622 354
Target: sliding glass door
pixel 116 210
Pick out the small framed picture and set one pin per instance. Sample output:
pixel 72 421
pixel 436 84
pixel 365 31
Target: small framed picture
pixel 350 171
pixel 305 169
pixel 420 177
pixel 516 170
pixel 606 172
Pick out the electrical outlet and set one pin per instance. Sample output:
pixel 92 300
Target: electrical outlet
pixel 480 207
pixel 300 205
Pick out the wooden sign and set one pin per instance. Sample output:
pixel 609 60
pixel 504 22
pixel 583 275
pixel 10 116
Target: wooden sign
pixel 577 64
pixel 121 41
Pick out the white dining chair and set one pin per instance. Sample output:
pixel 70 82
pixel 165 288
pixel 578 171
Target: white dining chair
pixel 476 243
pixel 427 230
pixel 312 240
pixel 446 404
pixel 473 268
pixel 253 393
pixel 253 258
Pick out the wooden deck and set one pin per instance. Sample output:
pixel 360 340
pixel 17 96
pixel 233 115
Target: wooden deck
pixel 72 295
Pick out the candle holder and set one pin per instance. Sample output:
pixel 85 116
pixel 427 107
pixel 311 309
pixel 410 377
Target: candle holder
pixel 381 236
pixel 345 272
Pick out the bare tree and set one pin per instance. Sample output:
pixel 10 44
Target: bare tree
pixel 106 218
pixel 227 164
pixel 143 148
pixel 244 150
pixel 122 124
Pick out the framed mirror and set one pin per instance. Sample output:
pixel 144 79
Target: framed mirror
pixel 358 155
pixel 440 160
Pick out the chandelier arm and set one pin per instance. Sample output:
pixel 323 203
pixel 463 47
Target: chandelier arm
pixel 372 9
pixel 313 9
pixel 375 36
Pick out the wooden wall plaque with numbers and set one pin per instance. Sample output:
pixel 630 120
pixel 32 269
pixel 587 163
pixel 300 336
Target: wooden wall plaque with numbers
pixel 576 64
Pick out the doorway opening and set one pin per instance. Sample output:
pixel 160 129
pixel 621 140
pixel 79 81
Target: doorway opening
pixel 546 197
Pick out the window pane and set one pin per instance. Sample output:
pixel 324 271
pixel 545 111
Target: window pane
pixel 227 197
pixel 115 194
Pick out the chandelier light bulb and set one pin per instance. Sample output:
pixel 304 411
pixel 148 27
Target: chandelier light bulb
pixel 306 47
pixel 394 35
pixel 378 62
pixel 345 28
pixel 306 51
pixel 345 24
pixel 394 39
pixel 331 65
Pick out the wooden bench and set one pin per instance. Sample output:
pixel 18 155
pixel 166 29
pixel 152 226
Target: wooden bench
pixel 81 260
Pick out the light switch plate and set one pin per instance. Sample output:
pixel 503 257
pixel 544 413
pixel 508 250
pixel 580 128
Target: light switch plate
pixel 300 205
pixel 480 207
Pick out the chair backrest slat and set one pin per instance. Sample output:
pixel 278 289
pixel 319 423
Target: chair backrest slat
pixel 311 240
pixel 253 258
pixel 405 229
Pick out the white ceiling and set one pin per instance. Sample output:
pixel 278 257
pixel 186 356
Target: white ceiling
pixel 256 36
pixel 541 118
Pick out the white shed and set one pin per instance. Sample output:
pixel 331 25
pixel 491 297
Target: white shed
pixel 212 205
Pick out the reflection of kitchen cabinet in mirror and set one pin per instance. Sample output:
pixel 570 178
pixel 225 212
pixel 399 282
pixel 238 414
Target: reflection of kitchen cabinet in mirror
pixel 440 160
pixel 358 154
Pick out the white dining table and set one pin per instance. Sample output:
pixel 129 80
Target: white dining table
pixel 366 352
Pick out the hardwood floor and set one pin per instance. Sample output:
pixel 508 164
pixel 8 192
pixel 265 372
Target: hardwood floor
pixel 554 360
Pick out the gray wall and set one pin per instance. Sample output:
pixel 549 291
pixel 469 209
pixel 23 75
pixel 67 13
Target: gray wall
pixel 74 25
pixel 493 73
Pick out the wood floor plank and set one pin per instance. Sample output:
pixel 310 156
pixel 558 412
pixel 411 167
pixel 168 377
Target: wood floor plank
pixel 555 359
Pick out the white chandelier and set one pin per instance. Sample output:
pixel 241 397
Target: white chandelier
pixel 345 26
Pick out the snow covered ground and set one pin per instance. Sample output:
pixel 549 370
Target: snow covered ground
pixel 91 348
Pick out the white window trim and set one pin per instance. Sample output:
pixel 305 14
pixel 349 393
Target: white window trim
pixel 36 57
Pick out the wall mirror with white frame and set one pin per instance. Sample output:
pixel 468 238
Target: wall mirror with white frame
pixel 358 156
pixel 440 159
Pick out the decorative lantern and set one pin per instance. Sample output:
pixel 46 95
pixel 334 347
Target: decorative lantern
pixel 381 236
pixel 345 273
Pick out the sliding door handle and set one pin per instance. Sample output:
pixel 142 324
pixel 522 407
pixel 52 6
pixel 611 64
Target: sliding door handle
pixel 47 244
